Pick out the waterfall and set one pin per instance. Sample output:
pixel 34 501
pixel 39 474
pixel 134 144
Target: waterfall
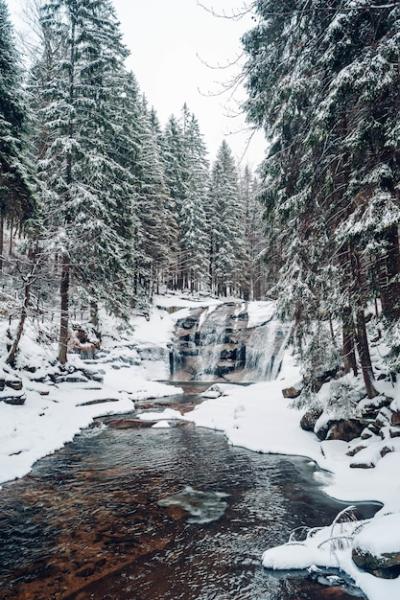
pixel 219 342
pixel 264 352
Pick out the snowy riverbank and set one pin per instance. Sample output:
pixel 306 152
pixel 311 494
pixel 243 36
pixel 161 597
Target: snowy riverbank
pixel 260 419
pixel 53 413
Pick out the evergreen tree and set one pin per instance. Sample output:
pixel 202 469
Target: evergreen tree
pixel 90 191
pixel 323 83
pixel 254 242
pixel 17 181
pixel 194 238
pixel 226 218
pixel 157 226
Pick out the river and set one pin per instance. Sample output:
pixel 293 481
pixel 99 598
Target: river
pixel 87 523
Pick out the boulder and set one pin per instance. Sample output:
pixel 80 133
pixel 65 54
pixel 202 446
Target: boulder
pixel 292 392
pixel 310 418
pixel 362 465
pixel 395 419
pixel 14 383
pixel 13 400
pixel 366 434
pixel 353 451
pixel 386 565
pixel 345 430
pixel 370 407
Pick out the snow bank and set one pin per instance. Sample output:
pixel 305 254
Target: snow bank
pixel 331 547
pixel 45 423
pixel 381 535
pixel 258 418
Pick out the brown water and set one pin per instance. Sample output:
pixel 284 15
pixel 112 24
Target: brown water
pixel 86 523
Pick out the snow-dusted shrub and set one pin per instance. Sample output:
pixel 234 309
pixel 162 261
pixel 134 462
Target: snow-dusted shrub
pixel 343 399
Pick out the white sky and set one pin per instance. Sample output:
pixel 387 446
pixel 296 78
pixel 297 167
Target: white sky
pixel 166 39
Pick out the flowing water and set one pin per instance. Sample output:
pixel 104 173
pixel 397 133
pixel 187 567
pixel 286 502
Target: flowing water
pixel 151 514
pixel 220 342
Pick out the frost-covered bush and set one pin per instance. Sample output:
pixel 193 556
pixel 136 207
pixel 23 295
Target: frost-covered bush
pixel 343 399
pixel 318 352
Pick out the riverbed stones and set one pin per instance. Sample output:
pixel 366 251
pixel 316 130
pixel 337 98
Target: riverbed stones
pixel 130 424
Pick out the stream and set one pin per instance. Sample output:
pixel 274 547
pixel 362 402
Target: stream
pixel 87 522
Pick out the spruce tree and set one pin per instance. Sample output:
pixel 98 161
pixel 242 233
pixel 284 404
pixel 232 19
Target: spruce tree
pixel 17 180
pixel 89 189
pixel 227 225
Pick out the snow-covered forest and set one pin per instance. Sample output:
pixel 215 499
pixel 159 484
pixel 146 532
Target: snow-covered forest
pixel 155 292
pixel 323 82
pixel 100 201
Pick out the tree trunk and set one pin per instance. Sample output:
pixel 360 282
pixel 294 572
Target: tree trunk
pixel 24 312
pixel 64 321
pixel 10 247
pixel 94 314
pixel 1 240
pixel 349 355
pixel 390 287
pixel 364 354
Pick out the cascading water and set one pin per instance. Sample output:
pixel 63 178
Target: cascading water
pixel 219 342
pixel 264 351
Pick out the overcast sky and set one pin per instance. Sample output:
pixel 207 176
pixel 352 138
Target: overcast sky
pixel 169 42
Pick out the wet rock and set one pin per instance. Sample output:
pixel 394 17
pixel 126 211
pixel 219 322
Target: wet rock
pixel 310 418
pixel 395 419
pixel 101 401
pixel 224 367
pixel 386 566
pixel 13 400
pixel 362 465
pixel 292 392
pixel 14 383
pixel 229 354
pixel 187 323
pixel 203 507
pixel 130 424
pixel 355 450
pixel 345 430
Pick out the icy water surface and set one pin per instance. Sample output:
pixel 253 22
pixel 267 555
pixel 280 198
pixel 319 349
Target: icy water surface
pixel 94 521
